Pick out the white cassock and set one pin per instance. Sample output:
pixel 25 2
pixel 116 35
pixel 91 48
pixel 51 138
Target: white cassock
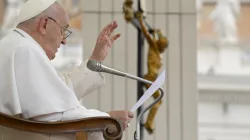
pixel 30 85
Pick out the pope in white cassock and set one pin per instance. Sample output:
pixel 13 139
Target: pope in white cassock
pixel 30 87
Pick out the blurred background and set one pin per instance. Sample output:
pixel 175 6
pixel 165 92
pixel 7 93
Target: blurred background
pixel 207 62
pixel 223 69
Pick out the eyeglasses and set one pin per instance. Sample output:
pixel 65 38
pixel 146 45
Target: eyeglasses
pixel 66 33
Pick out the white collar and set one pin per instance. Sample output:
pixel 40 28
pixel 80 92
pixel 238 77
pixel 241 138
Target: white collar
pixel 26 35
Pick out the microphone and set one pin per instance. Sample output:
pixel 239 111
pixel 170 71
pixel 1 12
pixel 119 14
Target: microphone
pixel 96 66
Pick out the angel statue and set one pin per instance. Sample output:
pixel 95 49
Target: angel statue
pixel 224 17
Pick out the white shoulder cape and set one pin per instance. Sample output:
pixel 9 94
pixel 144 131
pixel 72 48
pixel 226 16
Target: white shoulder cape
pixel 29 83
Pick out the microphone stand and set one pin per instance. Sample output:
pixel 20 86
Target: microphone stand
pixel 98 67
pixel 138 120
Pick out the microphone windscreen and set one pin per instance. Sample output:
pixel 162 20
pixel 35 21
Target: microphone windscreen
pixel 92 65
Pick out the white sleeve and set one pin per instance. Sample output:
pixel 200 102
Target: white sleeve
pixel 83 80
pixel 73 114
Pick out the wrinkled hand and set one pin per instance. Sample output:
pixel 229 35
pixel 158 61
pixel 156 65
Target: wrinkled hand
pixel 122 115
pixel 104 42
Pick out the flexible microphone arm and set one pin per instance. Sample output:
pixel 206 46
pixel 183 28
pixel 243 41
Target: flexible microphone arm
pixel 98 67
pixel 137 133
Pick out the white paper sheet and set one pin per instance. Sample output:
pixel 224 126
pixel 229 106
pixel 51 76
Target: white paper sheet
pixel 151 90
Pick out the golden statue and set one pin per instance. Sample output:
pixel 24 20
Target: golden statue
pixel 157 45
pixel 128 10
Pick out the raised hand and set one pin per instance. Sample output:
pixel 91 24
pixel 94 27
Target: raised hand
pixel 105 41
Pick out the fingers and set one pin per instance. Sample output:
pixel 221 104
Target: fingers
pixel 106 29
pixel 113 27
pixel 130 114
pixel 115 37
pixel 124 116
pixel 126 124
pixel 109 29
pixel 109 42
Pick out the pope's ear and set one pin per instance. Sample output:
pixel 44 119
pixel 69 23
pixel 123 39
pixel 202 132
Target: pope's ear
pixel 43 25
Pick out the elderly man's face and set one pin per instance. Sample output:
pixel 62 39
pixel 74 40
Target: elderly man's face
pixel 56 32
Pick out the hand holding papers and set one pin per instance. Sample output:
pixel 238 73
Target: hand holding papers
pixel 151 90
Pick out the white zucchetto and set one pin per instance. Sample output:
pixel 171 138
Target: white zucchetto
pixel 32 8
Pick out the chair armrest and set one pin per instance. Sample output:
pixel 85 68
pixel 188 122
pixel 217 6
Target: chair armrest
pixel 111 127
